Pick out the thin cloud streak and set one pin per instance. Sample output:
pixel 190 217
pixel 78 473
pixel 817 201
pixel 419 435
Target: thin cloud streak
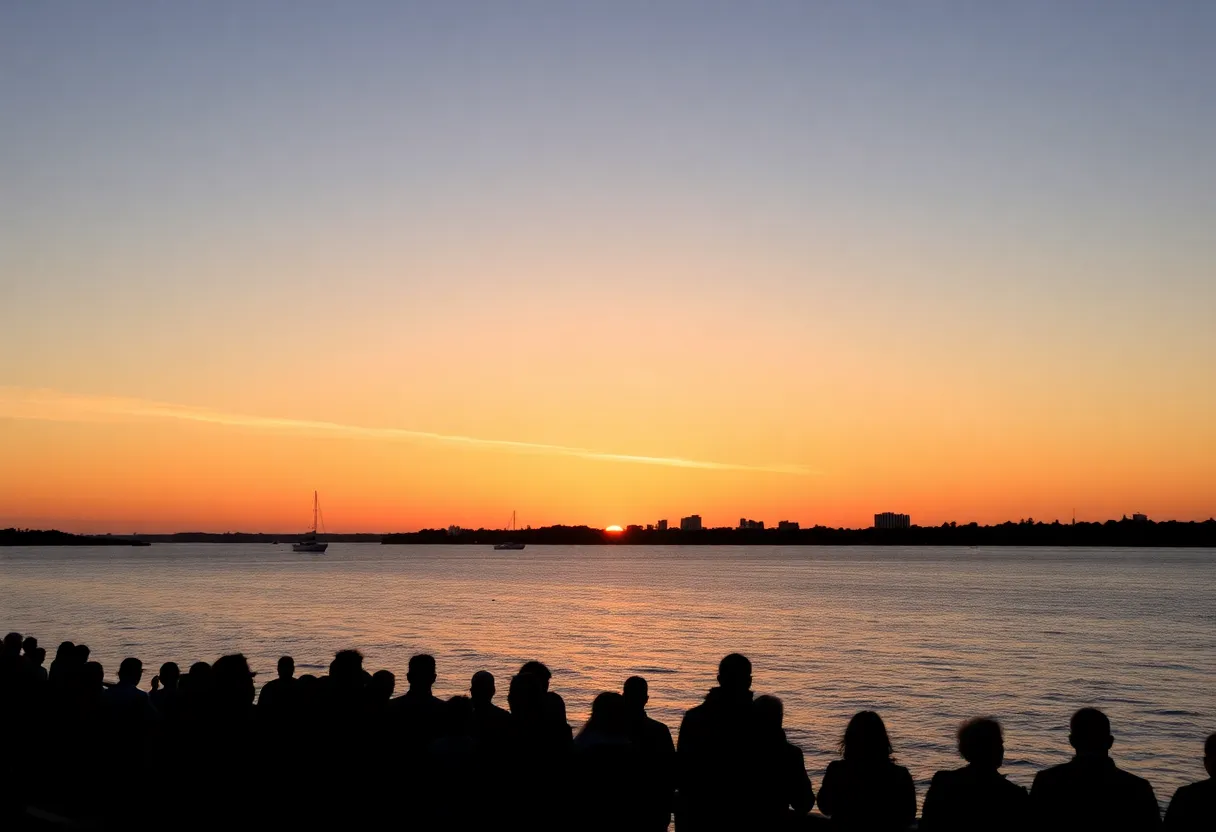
pixel 52 405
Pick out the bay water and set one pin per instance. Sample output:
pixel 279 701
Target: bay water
pixel 925 636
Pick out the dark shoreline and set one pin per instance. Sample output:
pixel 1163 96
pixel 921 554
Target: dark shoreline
pixel 1112 533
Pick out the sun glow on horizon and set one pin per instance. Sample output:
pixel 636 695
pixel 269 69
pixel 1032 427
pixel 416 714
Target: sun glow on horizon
pixel 614 529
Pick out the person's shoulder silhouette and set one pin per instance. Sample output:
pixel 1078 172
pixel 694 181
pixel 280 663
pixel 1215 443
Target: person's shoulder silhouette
pixel 976 796
pixel 1193 807
pixel 648 733
pixel 1090 791
pixel 865 789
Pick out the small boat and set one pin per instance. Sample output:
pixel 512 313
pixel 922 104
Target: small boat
pixel 509 545
pixel 309 542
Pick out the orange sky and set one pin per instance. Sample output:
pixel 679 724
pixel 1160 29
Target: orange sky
pixel 95 465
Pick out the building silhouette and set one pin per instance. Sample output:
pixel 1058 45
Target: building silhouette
pixel 744 523
pixel 787 526
pixel 661 525
pixel 692 523
pixel 891 520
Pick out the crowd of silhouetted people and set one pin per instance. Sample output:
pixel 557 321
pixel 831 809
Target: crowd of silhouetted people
pixel 203 750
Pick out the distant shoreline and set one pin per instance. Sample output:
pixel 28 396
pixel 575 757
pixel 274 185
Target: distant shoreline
pixel 1112 533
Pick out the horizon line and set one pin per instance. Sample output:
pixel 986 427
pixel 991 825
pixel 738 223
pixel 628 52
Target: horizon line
pixel 49 405
pixel 625 529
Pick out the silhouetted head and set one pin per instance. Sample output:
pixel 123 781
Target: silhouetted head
pixel 769 713
pixel 93 677
pixel 347 667
pixel 82 653
pixel 735 673
pixel 526 695
pixel 28 645
pixel 232 681
pixel 1209 755
pixel 12 643
pixel 39 657
pixel 482 688
pixel 866 740
pixel 538 670
pixel 636 693
pixel 130 671
pixel 421 672
pixel 381 686
pixel 607 716
pixel 65 652
pixel 1089 732
pixel 308 689
pixel 169 674
pixel 286 667
pixel 456 714
pixel 981 743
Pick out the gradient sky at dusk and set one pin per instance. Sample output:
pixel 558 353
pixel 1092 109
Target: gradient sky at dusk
pixel 605 262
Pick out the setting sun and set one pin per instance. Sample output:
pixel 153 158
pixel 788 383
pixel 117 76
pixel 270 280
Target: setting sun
pixel 614 529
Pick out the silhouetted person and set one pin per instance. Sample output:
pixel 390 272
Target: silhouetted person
pixel 656 754
pixel 713 757
pixel 275 700
pixel 1090 792
pixel 554 705
pixel 1194 807
pixel 976 796
pixel 536 773
pixel 165 693
pixel 37 662
pixel 128 717
pixel 866 790
pixel 28 645
pixel 490 725
pixel 63 665
pixel 126 695
pixel 608 785
pixel 783 791
pixel 417 715
pixel 11 667
pixel 380 690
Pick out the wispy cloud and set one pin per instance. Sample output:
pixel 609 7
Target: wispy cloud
pixel 53 405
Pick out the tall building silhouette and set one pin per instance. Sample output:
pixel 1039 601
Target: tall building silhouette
pixel 891 520
pixel 691 523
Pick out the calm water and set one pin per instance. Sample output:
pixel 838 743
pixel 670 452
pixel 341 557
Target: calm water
pixel 925 636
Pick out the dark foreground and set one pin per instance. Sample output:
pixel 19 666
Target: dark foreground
pixel 199 751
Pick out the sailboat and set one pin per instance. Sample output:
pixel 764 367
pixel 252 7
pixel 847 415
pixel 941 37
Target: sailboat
pixel 309 542
pixel 509 544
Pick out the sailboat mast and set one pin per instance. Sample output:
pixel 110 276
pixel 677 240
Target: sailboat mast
pixel 314 512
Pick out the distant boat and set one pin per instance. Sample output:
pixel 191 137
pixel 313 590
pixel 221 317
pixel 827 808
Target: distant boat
pixel 309 543
pixel 509 544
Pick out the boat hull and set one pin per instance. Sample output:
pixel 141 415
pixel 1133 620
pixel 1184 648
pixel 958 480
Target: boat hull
pixel 317 548
pixel 510 546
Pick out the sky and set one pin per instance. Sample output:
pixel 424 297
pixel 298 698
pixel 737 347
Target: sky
pixel 605 262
